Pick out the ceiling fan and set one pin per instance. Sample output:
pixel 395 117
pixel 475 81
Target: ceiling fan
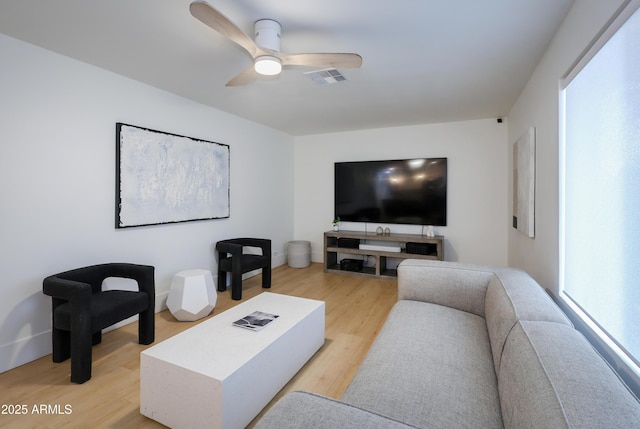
pixel 265 50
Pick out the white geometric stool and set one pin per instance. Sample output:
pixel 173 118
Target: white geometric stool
pixel 192 295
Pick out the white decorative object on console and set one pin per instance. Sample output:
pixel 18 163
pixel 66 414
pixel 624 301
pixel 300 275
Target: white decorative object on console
pixel 430 231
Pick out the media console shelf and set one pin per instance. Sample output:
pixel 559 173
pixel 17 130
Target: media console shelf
pixel 340 245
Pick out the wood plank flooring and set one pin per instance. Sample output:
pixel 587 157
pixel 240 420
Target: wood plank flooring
pixel 356 308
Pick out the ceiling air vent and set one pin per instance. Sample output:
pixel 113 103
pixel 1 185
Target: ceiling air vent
pixel 327 76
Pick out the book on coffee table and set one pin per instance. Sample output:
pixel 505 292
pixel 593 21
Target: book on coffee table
pixel 255 321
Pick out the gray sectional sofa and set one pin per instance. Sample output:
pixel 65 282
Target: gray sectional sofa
pixel 470 346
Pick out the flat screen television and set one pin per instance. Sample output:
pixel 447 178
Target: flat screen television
pixel 408 191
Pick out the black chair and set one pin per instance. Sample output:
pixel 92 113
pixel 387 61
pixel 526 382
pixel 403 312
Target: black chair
pixel 81 309
pixel 231 258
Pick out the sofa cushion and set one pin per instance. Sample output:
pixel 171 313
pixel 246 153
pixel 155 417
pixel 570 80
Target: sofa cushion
pixel 430 366
pixel 453 284
pixel 306 410
pixel 551 377
pixel 513 295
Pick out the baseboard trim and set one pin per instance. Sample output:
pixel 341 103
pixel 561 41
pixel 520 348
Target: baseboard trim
pixel 23 351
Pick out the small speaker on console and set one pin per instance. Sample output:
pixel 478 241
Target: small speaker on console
pixel 349 243
pixel 348 264
pixel 422 248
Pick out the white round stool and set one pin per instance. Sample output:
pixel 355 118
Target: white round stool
pixel 299 254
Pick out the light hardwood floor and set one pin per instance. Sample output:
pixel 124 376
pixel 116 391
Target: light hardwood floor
pixel 356 308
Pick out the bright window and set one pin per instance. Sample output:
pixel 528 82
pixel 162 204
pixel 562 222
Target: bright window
pixel 600 186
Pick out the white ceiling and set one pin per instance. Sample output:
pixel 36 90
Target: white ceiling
pixel 424 61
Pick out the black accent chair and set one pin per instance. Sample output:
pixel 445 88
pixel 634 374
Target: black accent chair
pixel 81 309
pixel 231 258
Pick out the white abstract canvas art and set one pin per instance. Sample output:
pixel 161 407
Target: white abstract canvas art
pixel 167 178
pixel 524 180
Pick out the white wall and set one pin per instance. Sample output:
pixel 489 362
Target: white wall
pixel 477 182
pixel 57 169
pixel 538 106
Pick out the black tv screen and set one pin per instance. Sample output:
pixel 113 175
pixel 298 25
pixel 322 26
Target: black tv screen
pixel 409 191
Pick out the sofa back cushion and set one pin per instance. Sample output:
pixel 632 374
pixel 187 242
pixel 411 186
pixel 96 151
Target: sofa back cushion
pixel 551 377
pixel 452 284
pixel 512 295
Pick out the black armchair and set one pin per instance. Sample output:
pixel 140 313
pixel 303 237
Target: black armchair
pixel 81 309
pixel 231 258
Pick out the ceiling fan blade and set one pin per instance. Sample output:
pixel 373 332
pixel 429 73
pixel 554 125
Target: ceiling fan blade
pixel 325 60
pixel 243 78
pixel 202 11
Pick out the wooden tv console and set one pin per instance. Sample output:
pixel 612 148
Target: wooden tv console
pixel 335 250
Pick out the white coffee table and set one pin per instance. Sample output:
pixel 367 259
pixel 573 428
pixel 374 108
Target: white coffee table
pixel 220 376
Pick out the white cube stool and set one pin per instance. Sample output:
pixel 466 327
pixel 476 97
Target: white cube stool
pixel 192 295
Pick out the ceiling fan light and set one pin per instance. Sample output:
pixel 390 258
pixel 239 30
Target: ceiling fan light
pixel 268 65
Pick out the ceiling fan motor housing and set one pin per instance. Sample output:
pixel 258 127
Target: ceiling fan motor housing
pixel 267 34
pixel 265 46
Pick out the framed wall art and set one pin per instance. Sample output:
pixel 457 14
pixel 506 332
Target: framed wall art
pixel 167 178
pixel 524 183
